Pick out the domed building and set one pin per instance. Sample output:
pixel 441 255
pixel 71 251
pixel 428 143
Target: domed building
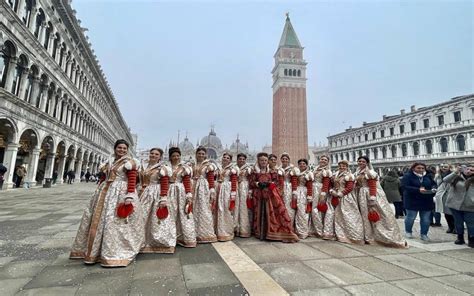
pixel 187 149
pixel 213 144
pixel 237 147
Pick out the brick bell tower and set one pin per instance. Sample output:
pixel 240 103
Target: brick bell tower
pixel 290 124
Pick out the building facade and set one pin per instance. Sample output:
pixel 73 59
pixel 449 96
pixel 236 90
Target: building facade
pixel 290 125
pixel 57 111
pixel 440 133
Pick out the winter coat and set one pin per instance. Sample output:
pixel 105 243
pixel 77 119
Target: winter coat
pixel 459 198
pixel 413 199
pixel 391 186
pixel 441 195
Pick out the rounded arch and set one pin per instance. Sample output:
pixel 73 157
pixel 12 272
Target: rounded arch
pixel 8 131
pixel 460 143
pixel 443 144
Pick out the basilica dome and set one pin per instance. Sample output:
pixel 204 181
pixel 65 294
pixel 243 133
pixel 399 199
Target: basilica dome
pixel 186 145
pixel 211 140
pixel 237 147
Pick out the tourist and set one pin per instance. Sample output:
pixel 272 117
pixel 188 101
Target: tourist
pixel 87 176
pixel 159 213
pixel 112 227
pixel 460 201
pixel 271 220
pixel 20 175
pixel 304 198
pixel 243 209
pixel 435 217
pixel 3 170
pixel 391 185
pixel 380 225
pixel 70 176
pixel 227 178
pixel 204 194
pixel 348 225
pixel 180 194
pixel 285 184
pixel 55 177
pixel 418 191
pixel 442 195
pixel 322 214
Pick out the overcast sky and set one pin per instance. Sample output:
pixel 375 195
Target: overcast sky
pixel 184 65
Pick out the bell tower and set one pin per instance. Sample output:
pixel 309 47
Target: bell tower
pixel 289 128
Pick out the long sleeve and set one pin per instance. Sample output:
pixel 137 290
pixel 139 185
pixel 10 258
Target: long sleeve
pixel 164 185
pixel 210 179
pixel 187 183
pixel 450 178
pixel 372 187
pixel 326 184
pixel 294 183
pixel 309 188
pixel 407 186
pixel 132 180
pixel 281 181
pixel 348 187
pixel 234 179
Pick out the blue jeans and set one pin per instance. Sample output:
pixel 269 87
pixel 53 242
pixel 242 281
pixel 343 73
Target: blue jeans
pixel 461 217
pixel 424 221
pixel 436 216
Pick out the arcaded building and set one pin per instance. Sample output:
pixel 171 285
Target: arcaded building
pixel 57 111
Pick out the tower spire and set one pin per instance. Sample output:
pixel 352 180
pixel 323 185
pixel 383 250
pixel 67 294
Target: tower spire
pixel 288 37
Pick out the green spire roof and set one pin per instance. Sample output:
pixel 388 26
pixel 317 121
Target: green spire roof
pixel 288 37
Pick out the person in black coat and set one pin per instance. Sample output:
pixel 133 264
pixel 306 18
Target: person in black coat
pixel 418 191
pixel 3 170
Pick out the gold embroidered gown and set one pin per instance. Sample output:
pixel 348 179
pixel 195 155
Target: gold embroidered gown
pixel 203 183
pixel 242 214
pixel 370 195
pixel 103 236
pixel 160 234
pixel 322 223
pixel 304 196
pixel 180 193
pixel 226 196
pixel 284 175
pixel 347 219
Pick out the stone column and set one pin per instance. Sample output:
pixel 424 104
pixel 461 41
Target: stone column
pixel 52 105
pixel 451 144
pixel 422 147
pixel 41 34
pixel 51 43
pixel 78 171
pixel 468 140
pixel 23 81
pixel 10 74
pixel 72 161
pixel 32 24
pixel 49 165
pixel 33 166
pixel 399 150
pixel 43 97
pixel 64 115
pixel 9 160
pixel 61 165
pixel 35 89
pixel 69 116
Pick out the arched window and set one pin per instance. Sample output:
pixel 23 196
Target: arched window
pixel 43 88
pixel 47 34
pixel 14 4
pixel 353 155
pixel 290 73
pixel 286 72
pixel 404 149
pixel 367 153
pixel 429 146
pixel 384 152
pixel 294 72
pixel 394 151
pixel 62 54
pixel 6 54
pixel 376 153
pixel 55 45
pixel 21 66
pixel 29 86
pixel 443 143
pixel 416 148
pixel 360 153
pixel 40 18
pixel 461 143
pixel 26 17
pixel 299 73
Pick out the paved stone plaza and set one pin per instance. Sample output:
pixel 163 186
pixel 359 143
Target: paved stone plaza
pixel 37 227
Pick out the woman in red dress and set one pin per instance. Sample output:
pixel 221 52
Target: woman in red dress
pixel 271 220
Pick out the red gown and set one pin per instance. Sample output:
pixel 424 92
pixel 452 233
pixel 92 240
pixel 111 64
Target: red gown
pixel 271 220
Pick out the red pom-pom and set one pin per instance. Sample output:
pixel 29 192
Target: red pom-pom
pixel 309 207
pixel 188 209
pixel 123 210
pixel 335 201
pixel 322 207
pixel 232 205
pixel 249 203
pixel 162 213
pixel 294 205
pixel 272 186
pixel 373 216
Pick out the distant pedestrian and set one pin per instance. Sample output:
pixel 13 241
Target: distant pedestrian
pixel 418 192
pixel 442 195
pixel 20 173
pixel 391 185
pixel 435 217
pixel 87 175
pixel 3 170
pixel 461 201
pixel 70 176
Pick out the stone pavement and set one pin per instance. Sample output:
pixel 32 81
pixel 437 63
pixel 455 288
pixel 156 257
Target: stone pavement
pixel 37 227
